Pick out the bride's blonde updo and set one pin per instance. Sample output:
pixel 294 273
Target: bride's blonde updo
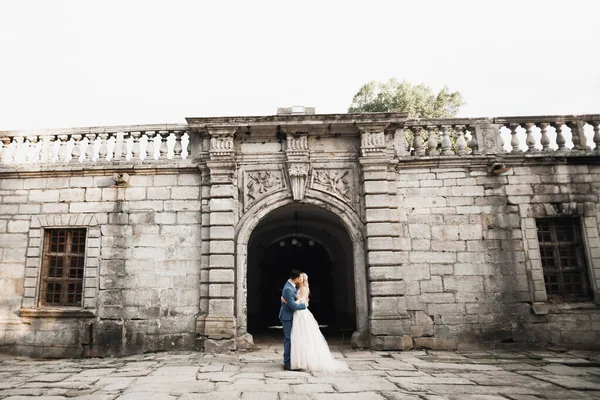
pixel 305 280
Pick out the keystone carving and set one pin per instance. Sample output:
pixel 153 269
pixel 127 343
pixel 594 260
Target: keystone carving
pixel 334 182
pixel 298 173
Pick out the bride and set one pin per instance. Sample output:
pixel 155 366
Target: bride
pixel 309 348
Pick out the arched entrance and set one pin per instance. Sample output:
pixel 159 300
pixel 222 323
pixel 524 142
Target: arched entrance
pixel 314 241
pixel 335 263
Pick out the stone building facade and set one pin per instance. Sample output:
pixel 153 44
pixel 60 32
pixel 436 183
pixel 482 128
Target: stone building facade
pixel 438 234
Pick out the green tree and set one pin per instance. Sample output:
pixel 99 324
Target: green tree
pixel 394 96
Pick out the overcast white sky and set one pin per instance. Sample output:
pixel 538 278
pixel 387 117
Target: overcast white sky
pixel 84 63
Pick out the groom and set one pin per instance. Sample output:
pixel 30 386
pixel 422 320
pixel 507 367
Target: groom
pixel 286 314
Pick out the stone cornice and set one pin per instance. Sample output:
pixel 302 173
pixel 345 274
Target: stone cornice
pixel 284 120
pixel 29 171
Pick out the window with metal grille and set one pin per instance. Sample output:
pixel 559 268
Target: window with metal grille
pixel 563 259
pixel 63 262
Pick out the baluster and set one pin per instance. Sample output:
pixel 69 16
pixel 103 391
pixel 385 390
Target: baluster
pixel 47 149
pixel 150 145
pixel 18 156
pixel 432 142
pixel 76 152
pixel 417 141
pixel 545 140
pixel 171 145
pixel 578 137
pixel 90 152
pixel 514 140
pixel 530 140
pixel 500 139
pixel 461 143
pixel 62 149
pixel 596 138
pixel 5 150
pixel 143 143
pixel 33 153
pixel 185 141
pixel 446 142
pixel 574 135
pixel 177 147
pixel 473 144
pixel 118 150
pixel 560 136
pixel 135 150
pixel 163 149
pixel 156 143
pixel 103 149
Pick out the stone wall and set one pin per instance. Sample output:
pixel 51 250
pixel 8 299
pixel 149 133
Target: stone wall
pixel 442 247
pixel 471 268
pixel 142 285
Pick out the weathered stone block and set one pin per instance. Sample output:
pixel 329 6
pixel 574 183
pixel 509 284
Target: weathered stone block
pixel 221 232
pixel 185 193
pixel 221 247
pixel 380 243
pixel 378 215
pixel 221 261
pixel 392 288
pixel 375 187
pixel 218 290
pixel 435 343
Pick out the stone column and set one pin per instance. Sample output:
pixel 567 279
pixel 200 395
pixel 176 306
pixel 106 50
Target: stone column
pixel 388 319
pixel 220 322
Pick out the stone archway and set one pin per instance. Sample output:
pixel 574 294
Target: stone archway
pixel 321 204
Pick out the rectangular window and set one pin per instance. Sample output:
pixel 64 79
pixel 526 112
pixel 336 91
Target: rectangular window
pixel 563 259
pixel 62 267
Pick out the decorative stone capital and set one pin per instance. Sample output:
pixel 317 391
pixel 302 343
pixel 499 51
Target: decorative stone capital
pixel 297 145
pixel 372 139
pixel 221 142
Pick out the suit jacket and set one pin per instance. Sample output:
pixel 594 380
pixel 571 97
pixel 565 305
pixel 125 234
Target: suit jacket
pixel 286 312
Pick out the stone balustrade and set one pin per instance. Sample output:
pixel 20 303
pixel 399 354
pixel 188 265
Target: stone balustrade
pixel 550 134
pixel 540 134
pixel 131 144
pixel 438 138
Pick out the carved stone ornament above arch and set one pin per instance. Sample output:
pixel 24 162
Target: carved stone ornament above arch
pixel 337 182
pixel 258 184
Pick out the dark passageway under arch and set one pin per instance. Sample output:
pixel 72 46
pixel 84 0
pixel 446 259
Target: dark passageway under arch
pixel 314 241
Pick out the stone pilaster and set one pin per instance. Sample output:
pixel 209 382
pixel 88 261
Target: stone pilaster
pixel 388 316
pixel 220 322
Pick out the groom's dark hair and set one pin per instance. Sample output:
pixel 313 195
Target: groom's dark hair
pixel 294 274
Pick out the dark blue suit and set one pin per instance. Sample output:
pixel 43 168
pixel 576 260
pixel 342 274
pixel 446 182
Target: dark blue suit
pixel 286 316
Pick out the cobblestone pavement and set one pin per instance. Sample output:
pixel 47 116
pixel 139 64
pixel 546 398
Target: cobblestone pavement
pixel 414 375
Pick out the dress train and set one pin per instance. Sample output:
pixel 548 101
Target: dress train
pixel 310 350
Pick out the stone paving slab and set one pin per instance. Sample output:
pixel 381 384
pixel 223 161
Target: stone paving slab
pixel 381 375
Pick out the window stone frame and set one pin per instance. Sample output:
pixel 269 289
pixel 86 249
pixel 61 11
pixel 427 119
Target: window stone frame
pixel 31 306
pixel 587 212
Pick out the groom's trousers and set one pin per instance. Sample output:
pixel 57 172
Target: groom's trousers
pixel 287 344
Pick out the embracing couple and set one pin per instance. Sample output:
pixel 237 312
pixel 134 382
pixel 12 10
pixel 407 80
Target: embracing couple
pixel 304 347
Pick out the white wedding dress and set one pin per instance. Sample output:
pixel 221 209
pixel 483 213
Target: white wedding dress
pixel 310 350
